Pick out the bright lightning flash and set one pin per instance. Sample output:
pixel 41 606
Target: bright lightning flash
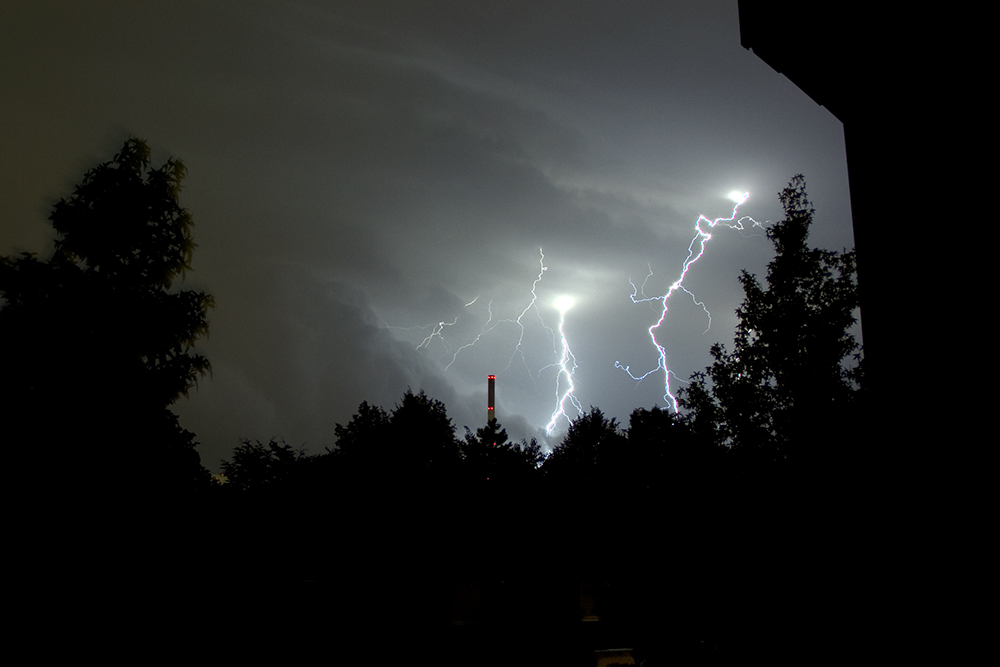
pixel 695 250
pixel 567 366
pixel 518 322
pixel 564 303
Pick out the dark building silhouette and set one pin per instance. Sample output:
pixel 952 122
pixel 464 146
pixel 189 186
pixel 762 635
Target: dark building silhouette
pixel 906 83
pixel 897 79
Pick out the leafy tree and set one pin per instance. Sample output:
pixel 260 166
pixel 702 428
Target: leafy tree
pixel 589 450
pixel 661 451
pixel 97 343
pixel 422 436
pixel 256 466
pixel 787 388
pixel 366 431
pixel 415 440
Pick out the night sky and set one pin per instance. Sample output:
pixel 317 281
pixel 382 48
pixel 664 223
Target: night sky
pixel 359 172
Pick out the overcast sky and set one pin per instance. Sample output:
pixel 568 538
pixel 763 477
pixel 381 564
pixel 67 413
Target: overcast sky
pixel 359 172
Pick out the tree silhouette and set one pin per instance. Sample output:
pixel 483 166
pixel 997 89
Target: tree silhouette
pixel 489 456
pixel 662 453
pixel 785 389
pixel 588 451
pixel 421 437
pixel 257 467
pixel 365 432
pixel 416 439
pixel 98 344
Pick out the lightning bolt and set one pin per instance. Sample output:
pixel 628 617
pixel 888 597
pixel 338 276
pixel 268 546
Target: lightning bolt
pixel 437 330
pixel 517 330
pixel 517 322
pixel 565 371
pixel 486 329
pixel 695 251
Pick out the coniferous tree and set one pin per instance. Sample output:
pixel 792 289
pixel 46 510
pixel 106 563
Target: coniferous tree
pixel 97 344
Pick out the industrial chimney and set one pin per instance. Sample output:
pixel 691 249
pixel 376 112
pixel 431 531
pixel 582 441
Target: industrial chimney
pixel 491 415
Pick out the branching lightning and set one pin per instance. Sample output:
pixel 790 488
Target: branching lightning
pixel 695 251
pixel 491 324
pixel 566 363
pixel 567 366
pixel 518 349
pixel 437 330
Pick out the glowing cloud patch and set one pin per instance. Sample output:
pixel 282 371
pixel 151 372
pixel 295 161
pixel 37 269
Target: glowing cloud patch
pixel 564 303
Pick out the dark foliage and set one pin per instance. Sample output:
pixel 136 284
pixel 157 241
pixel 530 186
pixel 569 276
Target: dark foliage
pixel 787 390
pixel 413 442
pixel 366 431
pixel 96 346
pixel 661 453
pixel 590 451
pixel 256 466
pixel 488 456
